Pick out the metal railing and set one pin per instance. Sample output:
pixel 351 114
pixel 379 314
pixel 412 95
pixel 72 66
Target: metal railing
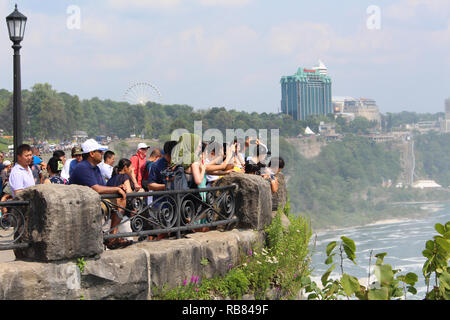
pixel 12 225
pixel 157 212
pixel 149 213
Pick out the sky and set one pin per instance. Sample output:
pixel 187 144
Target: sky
pixel 232 53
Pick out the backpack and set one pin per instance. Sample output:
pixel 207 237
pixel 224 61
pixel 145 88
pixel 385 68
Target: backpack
pixel 175 178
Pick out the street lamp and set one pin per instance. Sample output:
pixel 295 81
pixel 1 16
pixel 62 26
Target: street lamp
pixel 16 27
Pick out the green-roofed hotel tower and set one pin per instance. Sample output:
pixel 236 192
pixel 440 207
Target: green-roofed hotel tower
pixel 308 92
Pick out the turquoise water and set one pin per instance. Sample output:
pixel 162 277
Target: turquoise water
pixel 402 241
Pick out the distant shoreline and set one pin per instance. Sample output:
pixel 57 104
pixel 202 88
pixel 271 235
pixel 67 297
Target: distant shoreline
pixel 432 206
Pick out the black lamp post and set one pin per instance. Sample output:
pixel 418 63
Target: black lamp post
pixel 16 27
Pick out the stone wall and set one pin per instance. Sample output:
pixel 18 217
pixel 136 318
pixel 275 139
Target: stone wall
pixel 129 273
pixel 64 224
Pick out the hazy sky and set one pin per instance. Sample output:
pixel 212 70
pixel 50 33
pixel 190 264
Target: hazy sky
pixel 232 53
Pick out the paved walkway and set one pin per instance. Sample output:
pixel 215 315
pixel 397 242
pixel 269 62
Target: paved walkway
pixel 7 256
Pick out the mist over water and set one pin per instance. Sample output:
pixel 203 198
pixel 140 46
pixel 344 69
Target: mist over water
pixel 402 241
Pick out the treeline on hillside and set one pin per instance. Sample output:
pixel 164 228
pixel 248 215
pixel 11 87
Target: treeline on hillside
pixel 336 185
pixel 433 157
pixel 49 114
pixel 395 120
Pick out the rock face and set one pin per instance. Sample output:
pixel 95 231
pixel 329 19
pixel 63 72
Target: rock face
pixel 279 198
pixel 253 200
pixel 62 222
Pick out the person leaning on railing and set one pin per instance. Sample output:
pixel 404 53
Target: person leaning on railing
pixel 21 176
pixel 87 173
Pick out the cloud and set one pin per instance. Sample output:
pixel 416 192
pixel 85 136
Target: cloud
pixel 205 46
pixel 408 9
pixel 306 40
pixel 225 3
pixel 143 4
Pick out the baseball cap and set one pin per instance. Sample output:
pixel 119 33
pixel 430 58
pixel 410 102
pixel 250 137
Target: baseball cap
pixel 92 145
pixel 6 163
pixel 142 146
pixel 37 160
pixel 77 151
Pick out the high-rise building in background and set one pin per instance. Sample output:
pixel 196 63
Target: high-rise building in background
pixel 362 107
pixel 445 123
pixel 308 92
pixel 447 109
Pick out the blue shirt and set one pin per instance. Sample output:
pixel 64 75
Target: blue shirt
pixel 86 174
pixel 154 175
pixel 72 166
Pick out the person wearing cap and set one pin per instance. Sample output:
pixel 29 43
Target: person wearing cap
pixel 138 161
pixel 21 176
pixel 36 169
pixel 76 159
pixel 87 173
pixel 6 172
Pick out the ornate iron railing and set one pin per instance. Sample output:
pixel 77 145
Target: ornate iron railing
pixel 157 212
pixel 12 224
pixel 172 212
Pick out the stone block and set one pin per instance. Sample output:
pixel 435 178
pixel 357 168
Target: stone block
pixel 172 261
pixel 219 249
pixel 118 274
pixel 62 222
pixel 253 200
pixel 121 274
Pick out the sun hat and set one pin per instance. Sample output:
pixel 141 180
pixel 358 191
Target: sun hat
pixel 92 145
pixel 142 146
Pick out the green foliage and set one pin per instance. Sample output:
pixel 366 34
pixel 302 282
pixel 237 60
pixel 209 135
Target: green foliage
pixel 281 267
pixel 359 125
pixel 390 284
pixel 50 114
pixel 437 252
pixel 433 156
pixel 81 264
pixel 331 188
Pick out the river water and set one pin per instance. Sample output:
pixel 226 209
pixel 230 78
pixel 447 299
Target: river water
pixel 402 241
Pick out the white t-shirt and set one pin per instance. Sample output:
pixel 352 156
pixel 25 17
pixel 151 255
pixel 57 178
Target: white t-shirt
pixel 106 170
pixel 20 178
pixel 65 171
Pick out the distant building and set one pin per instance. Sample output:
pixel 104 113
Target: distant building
pixel 422 184
pixel 80 136
pixel 445 123
pixel 308 92
pixel 363 107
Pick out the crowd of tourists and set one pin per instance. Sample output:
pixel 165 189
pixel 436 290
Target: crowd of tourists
pixel 200 163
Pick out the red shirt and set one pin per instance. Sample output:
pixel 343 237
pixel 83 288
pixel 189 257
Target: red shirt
pixel 138 163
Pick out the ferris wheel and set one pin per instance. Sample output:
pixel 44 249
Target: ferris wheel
pixel 141 93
